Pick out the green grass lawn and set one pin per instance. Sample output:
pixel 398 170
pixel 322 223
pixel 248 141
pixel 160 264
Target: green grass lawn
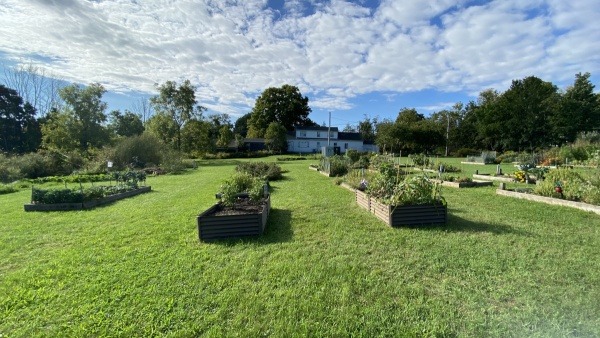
pixel 501 267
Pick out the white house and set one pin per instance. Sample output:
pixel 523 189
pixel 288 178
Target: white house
pixel 312 139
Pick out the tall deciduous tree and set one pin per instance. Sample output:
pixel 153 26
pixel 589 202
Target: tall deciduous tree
pixel 366 128
pixel 284 105
pixel 179 103
pixel 275 137
pixel 197 138
pixel 35 85
pixel 80 123
pixel 126 124
pixel 19 130
pixel 578 110
pixel 241 125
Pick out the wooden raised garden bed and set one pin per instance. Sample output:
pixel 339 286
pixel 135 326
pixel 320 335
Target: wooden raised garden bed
pixel 549 200
pixel 405 214
pixel 211 226
pixel 87 204
pixel 493 178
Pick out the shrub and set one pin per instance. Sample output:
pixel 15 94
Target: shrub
pixel 353 155
pixel 507 157
pixel 241 183
pixel 138 151
pixel 464 152
pixel 264 170
pixel 7 189
pixel 335 165
pixel 415 190
pixel 8 171
pixel 419 160
pixel 570 181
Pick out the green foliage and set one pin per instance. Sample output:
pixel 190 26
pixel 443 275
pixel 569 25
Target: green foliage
pixel 177 104
pixel 126 124
pixel 53 196
pixel 419 160
pixel 73 178
pixel 284 105
pixel 275 137
pixel 335 165
pixel 408 190
pixel 570 181
pixel 242 183
pixel 264 170
pixel 7 189
pixel 138 152
pixel 79 125
pixel 464 152
pixel 353 155
pixel 19 130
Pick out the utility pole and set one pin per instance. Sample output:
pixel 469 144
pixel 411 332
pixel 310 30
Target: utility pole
pixel 329 131
pixel 447 130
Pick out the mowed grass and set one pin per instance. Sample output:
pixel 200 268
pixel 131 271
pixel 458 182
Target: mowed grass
pixel 501 267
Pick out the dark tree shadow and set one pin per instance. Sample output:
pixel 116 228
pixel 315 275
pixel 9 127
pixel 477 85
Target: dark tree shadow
pixel 277 230
pixel 217 163
pixel 459 224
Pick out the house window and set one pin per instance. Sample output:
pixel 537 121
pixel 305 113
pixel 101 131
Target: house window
pixel 345 145
pixel 335 144
pixel 303 144
pixel 330 134
pixel 318 144
pixel 318 134
pixel 303 133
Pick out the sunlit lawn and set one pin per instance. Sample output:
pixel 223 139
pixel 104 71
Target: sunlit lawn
pixel 501 267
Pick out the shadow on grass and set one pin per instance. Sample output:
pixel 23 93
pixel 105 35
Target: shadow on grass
pixel 277 230
pixel 217 163
pixel 458 224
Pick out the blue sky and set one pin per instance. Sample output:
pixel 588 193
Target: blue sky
pixel 351 58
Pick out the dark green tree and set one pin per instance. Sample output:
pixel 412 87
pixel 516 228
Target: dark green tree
pixel 125 124
pixel 523 112
pixel 19 130
pixel 79 124
pixel 196 138
pixel 241 125
pixel 162 126
pixel 178 102
pixel 284 105
pixel 578 110
pixel 366 128
pixel 275 137
pixel 225 136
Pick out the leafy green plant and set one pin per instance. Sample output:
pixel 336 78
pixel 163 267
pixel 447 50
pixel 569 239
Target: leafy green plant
pixel 7 189
pixel 570 182
pixel 240 184
pixel 265 170
pixel 419 160
pixel 335 165
pixel 411 190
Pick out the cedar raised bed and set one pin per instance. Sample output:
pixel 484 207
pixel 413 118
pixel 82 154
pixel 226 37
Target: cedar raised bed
pixel 211 226
pixel 405 214
pixel 85 205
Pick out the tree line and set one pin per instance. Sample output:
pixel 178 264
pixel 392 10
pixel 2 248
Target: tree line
pixel 531 114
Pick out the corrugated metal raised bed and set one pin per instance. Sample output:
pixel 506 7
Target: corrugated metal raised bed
pixel 211 226
pixel 87 204
pixel 404 214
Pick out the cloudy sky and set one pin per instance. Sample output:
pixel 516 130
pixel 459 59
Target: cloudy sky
pixel 349 57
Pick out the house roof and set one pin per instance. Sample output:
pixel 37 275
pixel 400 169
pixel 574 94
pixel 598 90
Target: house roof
pixel 349 136
pixel 318 128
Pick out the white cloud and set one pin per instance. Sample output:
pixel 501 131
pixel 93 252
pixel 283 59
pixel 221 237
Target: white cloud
pixel 233 50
